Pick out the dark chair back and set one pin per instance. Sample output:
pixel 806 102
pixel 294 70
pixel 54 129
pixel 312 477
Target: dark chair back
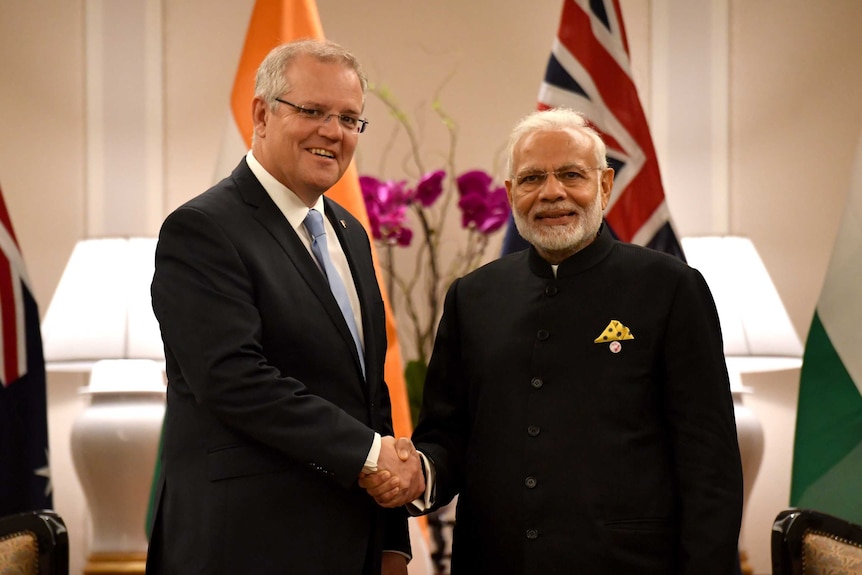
pixel 34 543
pixel 807 542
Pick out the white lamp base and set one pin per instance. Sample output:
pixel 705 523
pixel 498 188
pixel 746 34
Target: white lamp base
pixel 114 447
pixel 749 433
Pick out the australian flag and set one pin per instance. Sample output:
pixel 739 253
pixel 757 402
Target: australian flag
pixel 589 71
pixel 25 480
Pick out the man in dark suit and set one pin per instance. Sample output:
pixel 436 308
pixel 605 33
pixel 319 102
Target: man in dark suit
pixel 276 400
pixel 577 398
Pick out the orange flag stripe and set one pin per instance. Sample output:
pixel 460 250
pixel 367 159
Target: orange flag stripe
pixel 272 23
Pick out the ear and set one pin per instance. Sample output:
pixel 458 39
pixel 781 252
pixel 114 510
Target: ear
pixel 259 116
pixel 509 192
pixel 607 183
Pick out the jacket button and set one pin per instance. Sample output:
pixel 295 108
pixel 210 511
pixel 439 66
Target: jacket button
pixel 543 334
pixel 532 533
pixel 537 383
pixel 533 430
pixel 530 482
pixel 551 291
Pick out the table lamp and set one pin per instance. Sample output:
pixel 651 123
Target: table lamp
pixel 100 321
pixel 757 332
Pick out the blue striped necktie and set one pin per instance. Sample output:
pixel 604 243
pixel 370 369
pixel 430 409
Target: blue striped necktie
pixel 314 224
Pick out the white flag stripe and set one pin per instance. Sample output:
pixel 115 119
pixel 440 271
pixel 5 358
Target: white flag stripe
pixel 16 260
pixel 19 279
pixel 20 324
pixel 657 220
pixel 840 296
pixel 232 147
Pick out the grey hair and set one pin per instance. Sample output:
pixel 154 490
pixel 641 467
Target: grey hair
pixel 555 119
pixel 271 83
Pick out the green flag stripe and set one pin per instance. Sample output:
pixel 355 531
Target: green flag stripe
pixel 837 491
pixel 829 418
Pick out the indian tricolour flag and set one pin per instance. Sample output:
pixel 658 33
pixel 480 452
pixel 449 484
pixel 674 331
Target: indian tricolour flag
pixel 827 456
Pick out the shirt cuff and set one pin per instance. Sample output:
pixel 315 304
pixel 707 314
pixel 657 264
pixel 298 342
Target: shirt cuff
pixel 402 553
pixel 424 503
pixel 373 455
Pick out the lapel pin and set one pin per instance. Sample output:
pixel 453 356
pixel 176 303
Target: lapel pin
pixel 343 224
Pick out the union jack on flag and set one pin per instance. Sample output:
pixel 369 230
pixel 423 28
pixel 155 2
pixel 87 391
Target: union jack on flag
pixel 24 471
pixel 589 71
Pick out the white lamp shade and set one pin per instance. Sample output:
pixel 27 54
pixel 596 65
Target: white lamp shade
pixel 757 332
pixel 102 307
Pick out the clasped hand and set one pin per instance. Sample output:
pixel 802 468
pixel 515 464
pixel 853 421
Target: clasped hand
pixel 398 479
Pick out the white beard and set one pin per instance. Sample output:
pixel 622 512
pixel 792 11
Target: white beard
pixel 570 238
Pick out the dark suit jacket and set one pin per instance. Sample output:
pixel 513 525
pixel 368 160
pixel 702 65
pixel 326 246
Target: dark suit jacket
pixel 268 419
pixel 572 456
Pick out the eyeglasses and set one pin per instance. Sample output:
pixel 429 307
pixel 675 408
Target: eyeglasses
pixel 570 177
pixel 349 123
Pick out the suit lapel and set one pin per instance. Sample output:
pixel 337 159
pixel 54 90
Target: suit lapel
pixel 270 217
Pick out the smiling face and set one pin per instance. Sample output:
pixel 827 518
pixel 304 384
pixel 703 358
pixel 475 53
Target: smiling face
pixel 557 191
pixel 307 155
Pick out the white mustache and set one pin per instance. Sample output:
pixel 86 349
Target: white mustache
pixel 557 210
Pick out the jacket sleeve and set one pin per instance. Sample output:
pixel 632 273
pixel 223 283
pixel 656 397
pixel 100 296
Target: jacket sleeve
pixel 700 415
pixel 206 295
pixel 442 433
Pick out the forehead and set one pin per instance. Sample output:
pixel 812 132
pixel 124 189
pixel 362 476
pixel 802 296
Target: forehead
pixel 553 148
pixel 331 84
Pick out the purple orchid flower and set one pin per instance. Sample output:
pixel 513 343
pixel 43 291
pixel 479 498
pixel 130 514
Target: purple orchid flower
pixel 429 188
pixel 386 204
pixel 482 207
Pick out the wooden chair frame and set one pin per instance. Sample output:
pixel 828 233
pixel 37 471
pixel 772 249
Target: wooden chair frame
pixel 51 536
pixel 789 531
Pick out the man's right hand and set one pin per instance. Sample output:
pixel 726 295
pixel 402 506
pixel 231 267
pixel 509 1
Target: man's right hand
pixel 398 479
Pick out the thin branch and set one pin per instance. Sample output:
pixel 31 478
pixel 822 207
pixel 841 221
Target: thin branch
pixel 431 221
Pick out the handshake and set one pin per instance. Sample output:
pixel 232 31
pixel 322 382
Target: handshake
pixel 399 478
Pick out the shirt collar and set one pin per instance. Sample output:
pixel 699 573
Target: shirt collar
pixel 287 202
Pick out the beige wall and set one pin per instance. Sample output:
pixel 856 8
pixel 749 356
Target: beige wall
pixel 794 87
pixel 796 101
